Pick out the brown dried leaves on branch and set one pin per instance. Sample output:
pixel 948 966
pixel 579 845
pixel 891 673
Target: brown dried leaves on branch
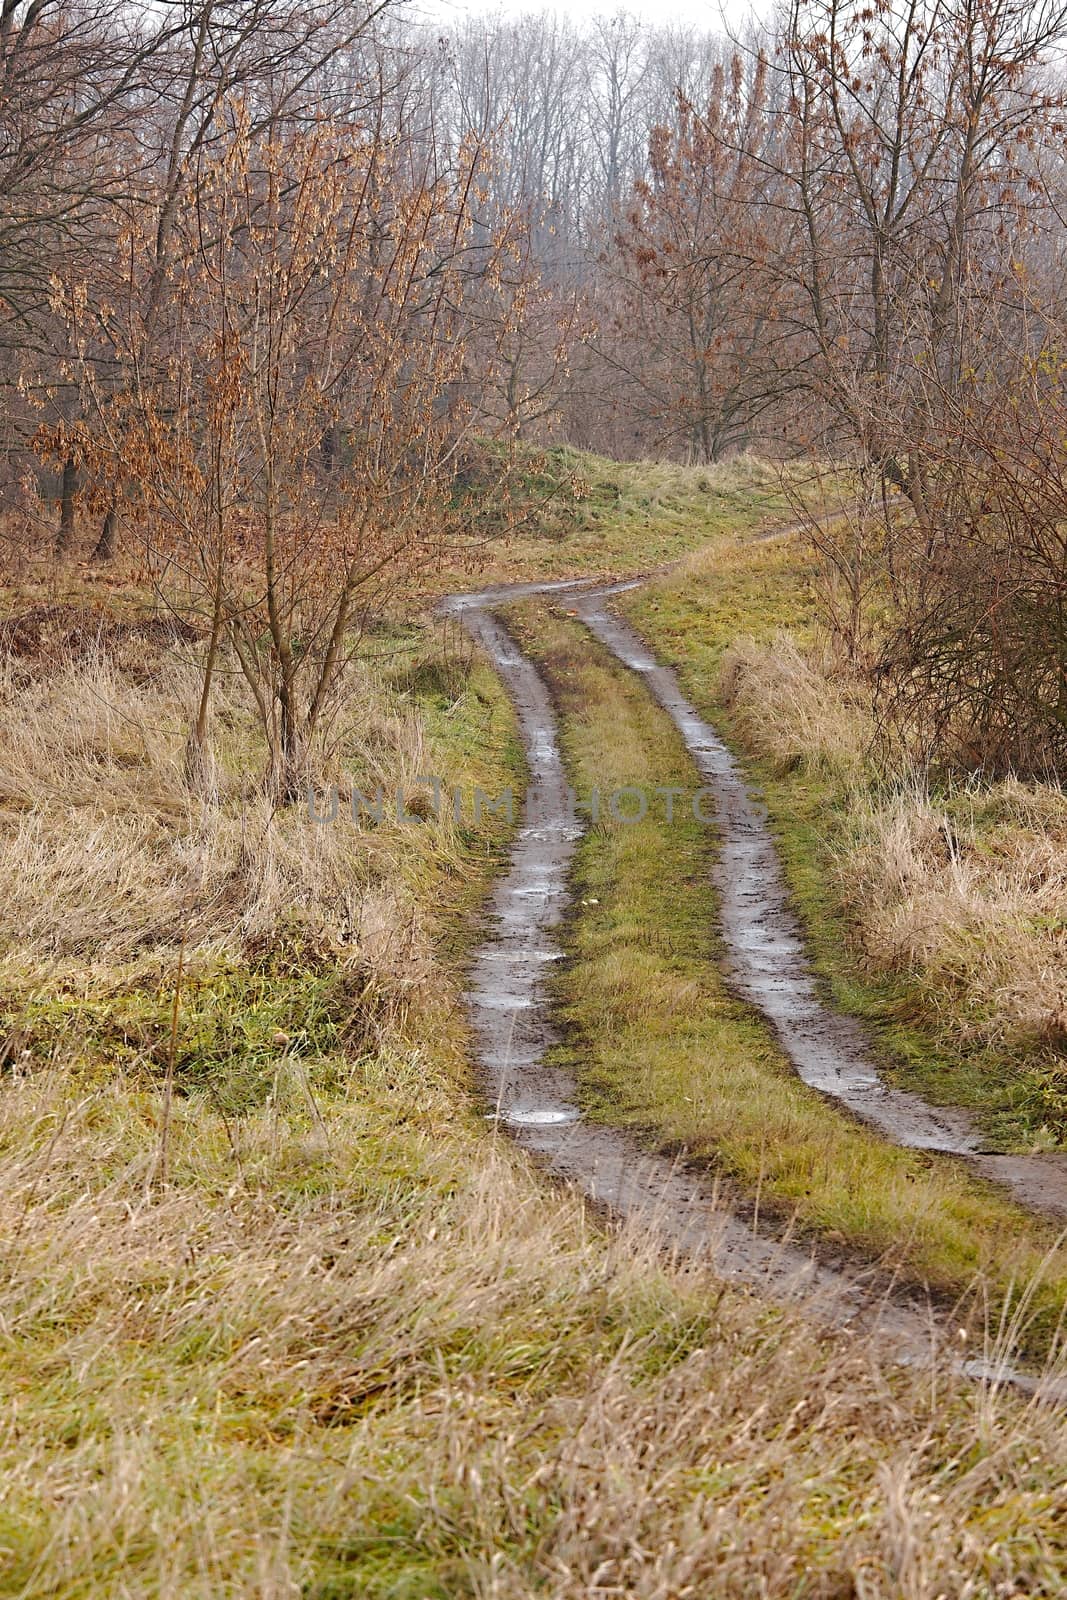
pixel 288 429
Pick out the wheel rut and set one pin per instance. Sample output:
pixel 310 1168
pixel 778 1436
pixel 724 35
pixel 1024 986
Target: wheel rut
pixel 768 965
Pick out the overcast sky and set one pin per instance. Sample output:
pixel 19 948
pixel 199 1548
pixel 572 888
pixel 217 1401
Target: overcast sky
pixel 707 14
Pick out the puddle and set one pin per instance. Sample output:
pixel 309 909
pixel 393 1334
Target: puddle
pixel 542 1119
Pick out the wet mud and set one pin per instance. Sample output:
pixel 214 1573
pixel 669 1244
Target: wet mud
pixel 511 1013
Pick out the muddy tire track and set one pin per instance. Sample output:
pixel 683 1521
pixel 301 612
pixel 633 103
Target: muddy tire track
pixel 511 1019
pixel 767 963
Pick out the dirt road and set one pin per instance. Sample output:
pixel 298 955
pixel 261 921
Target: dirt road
pixel 513 1027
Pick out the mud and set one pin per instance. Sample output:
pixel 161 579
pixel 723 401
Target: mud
pixel 767 964
pixel 511 1014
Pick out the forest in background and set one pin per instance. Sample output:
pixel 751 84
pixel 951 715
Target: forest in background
pixel 283 288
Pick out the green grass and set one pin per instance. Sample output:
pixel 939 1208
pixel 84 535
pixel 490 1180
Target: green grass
pixel 690 618
pixel 587 515
pixel 660 1046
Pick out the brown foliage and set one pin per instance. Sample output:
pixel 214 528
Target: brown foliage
pixel 289 428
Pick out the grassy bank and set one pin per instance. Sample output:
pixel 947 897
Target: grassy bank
pixel 660 1045
pixel 573 514
pixel 936 914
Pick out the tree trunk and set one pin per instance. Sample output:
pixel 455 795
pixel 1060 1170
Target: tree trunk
pixel 105 545
pixel 68 489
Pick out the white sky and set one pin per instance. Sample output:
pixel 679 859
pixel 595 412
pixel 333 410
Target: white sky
pixel 707 14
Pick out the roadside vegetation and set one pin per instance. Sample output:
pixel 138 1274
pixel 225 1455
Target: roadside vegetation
pixel 658 1043
pixel 567 513
pixel 935 905
pixel 280 1315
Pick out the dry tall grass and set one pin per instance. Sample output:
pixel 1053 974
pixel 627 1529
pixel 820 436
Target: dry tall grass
pixel 792 711
pixel 105 847
pixel 344 1343
pixel 965 890
pixel 367 1355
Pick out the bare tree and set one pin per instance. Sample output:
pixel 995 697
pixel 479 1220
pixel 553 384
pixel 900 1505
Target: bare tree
pixel 693 330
